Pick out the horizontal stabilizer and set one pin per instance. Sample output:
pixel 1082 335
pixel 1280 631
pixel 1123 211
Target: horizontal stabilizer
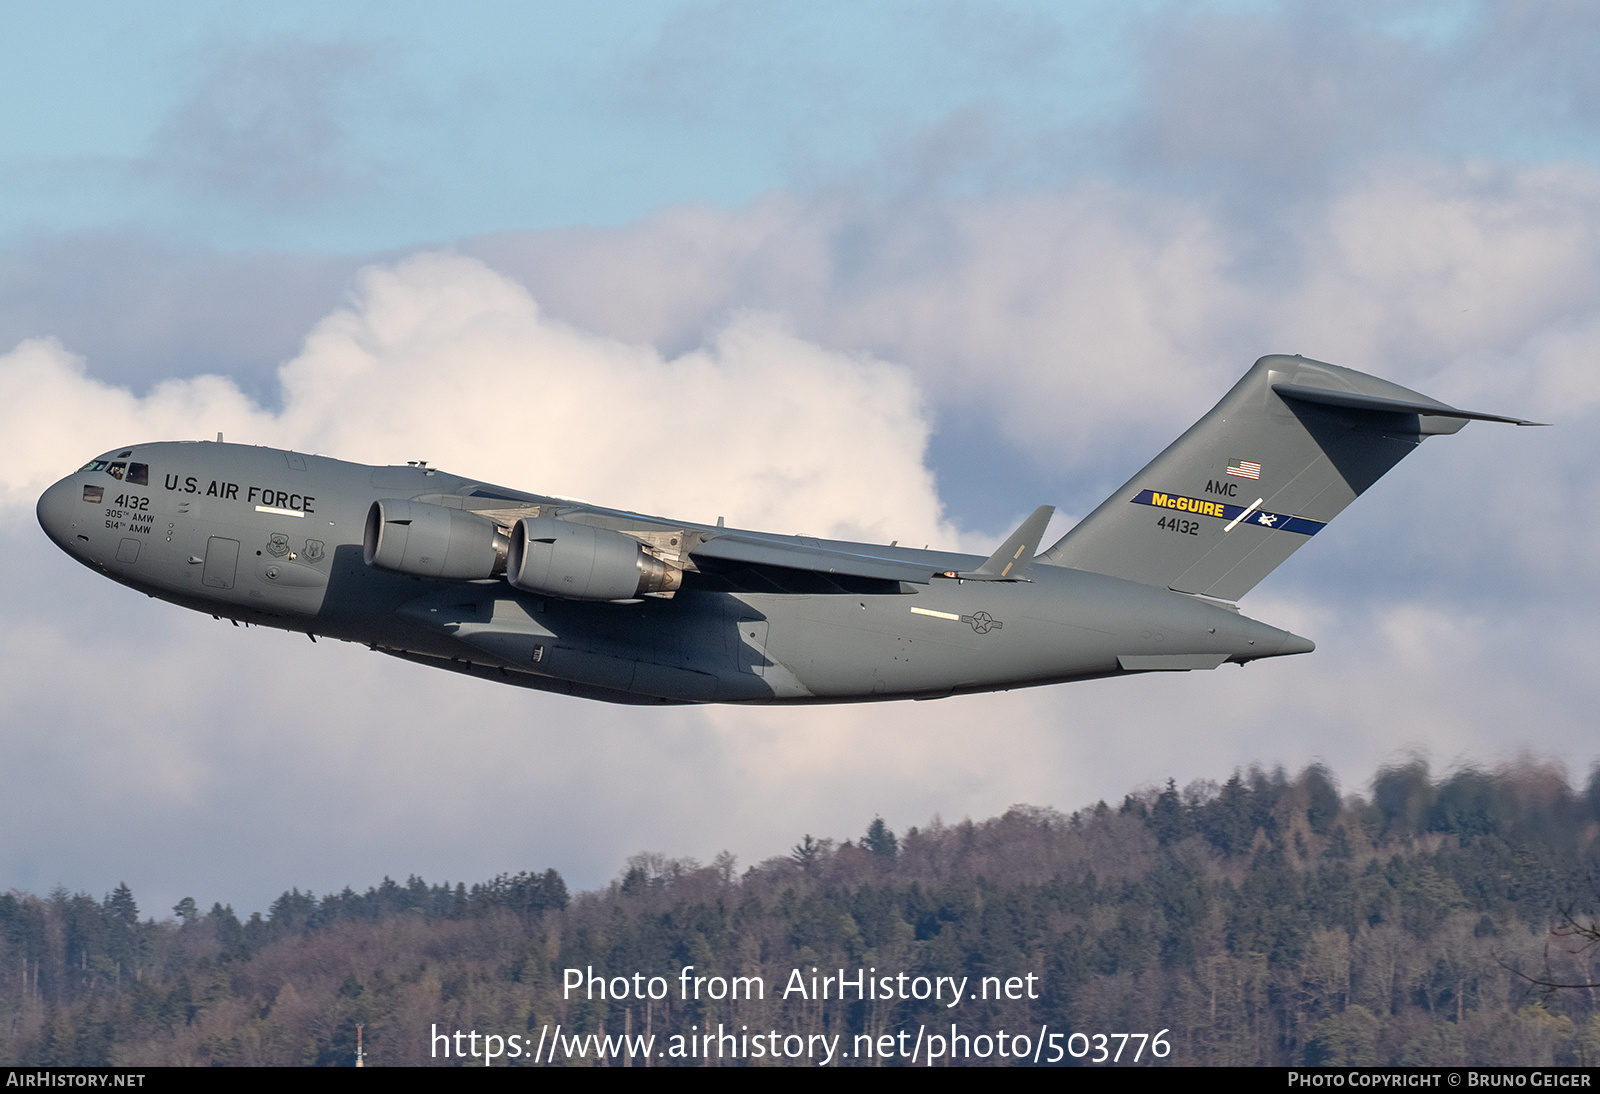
pixel 753 551
pixel 1354 401
pixel 1012 559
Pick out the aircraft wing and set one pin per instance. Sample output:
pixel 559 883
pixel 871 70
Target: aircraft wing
pixel 1009 563
pixel 754 551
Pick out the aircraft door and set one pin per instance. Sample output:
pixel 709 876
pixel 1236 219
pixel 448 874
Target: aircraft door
pixel 222 563
pixel 753 646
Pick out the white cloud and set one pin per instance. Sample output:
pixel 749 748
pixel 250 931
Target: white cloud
pixel 1086 327
pixel 55 416
pixel 1093 322
pixel 442 359
pixel 1424 264
pixel 1060 315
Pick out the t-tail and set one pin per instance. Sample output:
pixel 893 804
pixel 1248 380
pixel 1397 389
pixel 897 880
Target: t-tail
pixel 1279 457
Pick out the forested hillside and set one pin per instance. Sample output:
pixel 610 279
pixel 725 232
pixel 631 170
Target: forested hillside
pixel 1266 920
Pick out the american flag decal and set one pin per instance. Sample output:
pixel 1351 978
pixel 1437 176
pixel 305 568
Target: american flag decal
pixel 1244 469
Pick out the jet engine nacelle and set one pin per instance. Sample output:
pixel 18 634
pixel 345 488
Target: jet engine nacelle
pixel 413 537
pixel 580 562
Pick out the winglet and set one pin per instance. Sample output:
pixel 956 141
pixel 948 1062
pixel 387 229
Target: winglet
pixel 1015 555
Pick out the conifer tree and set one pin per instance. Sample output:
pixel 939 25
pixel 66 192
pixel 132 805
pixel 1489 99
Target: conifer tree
pixel 880 840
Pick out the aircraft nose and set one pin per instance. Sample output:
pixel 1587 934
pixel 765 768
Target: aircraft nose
pixel 56 510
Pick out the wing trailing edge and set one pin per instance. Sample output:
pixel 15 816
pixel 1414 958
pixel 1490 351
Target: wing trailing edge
pixel 1010 562
pixel 755 551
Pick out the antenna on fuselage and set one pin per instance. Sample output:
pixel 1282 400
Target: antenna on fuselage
pixel 219 436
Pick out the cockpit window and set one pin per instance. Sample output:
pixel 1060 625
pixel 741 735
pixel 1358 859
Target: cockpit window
pixel 139 474
pixel 117 470
pixel 94 465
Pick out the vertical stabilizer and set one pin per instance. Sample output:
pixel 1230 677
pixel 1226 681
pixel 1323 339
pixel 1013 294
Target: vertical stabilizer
pixel 1279 457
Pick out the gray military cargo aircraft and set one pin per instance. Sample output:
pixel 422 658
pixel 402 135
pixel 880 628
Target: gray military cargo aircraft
pixel 555 594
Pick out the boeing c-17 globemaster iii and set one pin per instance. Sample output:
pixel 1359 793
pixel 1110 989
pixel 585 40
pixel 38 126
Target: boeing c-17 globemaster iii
pixel 560 595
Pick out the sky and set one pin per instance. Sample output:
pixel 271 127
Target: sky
pixel 879 270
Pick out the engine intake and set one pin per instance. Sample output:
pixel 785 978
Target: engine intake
pixel 413 537
pixel 581 562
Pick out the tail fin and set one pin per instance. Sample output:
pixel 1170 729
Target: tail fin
pixel 1279 457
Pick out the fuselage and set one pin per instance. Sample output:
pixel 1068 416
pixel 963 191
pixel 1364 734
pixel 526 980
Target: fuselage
pixel 275 538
